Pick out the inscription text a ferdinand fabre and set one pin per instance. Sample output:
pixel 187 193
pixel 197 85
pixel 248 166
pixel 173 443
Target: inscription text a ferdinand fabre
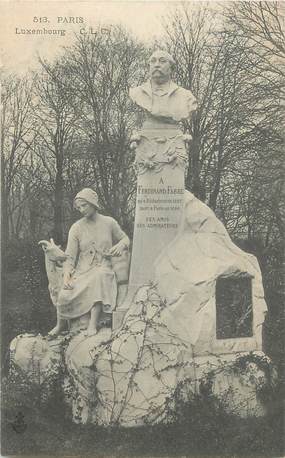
pixel 158 207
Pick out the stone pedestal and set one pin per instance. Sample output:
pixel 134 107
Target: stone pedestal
pixel 159 206
pixel 160 163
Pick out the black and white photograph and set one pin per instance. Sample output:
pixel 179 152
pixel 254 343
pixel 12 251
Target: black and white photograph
pixel 142 228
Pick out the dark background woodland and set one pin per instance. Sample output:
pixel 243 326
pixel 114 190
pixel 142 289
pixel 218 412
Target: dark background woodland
pixel 68 126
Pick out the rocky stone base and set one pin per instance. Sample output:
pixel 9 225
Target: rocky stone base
pixel 133 376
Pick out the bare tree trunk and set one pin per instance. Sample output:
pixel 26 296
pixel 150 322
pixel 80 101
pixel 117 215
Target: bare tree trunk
pixel 4 216
pixel 216 190
pixel 215 193
pixel 193 181
pixel 58 202
pixel 4 200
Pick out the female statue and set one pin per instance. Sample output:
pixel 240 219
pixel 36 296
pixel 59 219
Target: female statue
pixel 89 282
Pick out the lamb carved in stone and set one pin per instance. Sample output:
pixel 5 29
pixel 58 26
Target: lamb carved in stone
pixel 54 259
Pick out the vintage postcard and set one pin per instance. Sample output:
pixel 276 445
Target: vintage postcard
pixel 142 228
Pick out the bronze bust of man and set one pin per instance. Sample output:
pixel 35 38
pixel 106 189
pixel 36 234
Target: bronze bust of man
pixel 160 97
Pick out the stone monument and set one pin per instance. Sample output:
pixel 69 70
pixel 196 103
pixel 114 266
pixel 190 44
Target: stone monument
pixel 198 326
pixel 160 163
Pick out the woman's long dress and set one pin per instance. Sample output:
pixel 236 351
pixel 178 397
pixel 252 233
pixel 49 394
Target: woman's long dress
pixel 93 279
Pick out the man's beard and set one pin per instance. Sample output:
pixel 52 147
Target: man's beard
pixel 160 77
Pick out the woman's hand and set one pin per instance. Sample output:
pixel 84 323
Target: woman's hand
pixel 67 281
pixel 118 249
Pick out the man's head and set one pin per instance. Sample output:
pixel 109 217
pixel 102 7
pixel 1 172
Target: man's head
pixel 161 65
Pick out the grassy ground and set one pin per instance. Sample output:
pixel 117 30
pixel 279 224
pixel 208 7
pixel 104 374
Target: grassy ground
pixel 49 431
pixel 50 435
